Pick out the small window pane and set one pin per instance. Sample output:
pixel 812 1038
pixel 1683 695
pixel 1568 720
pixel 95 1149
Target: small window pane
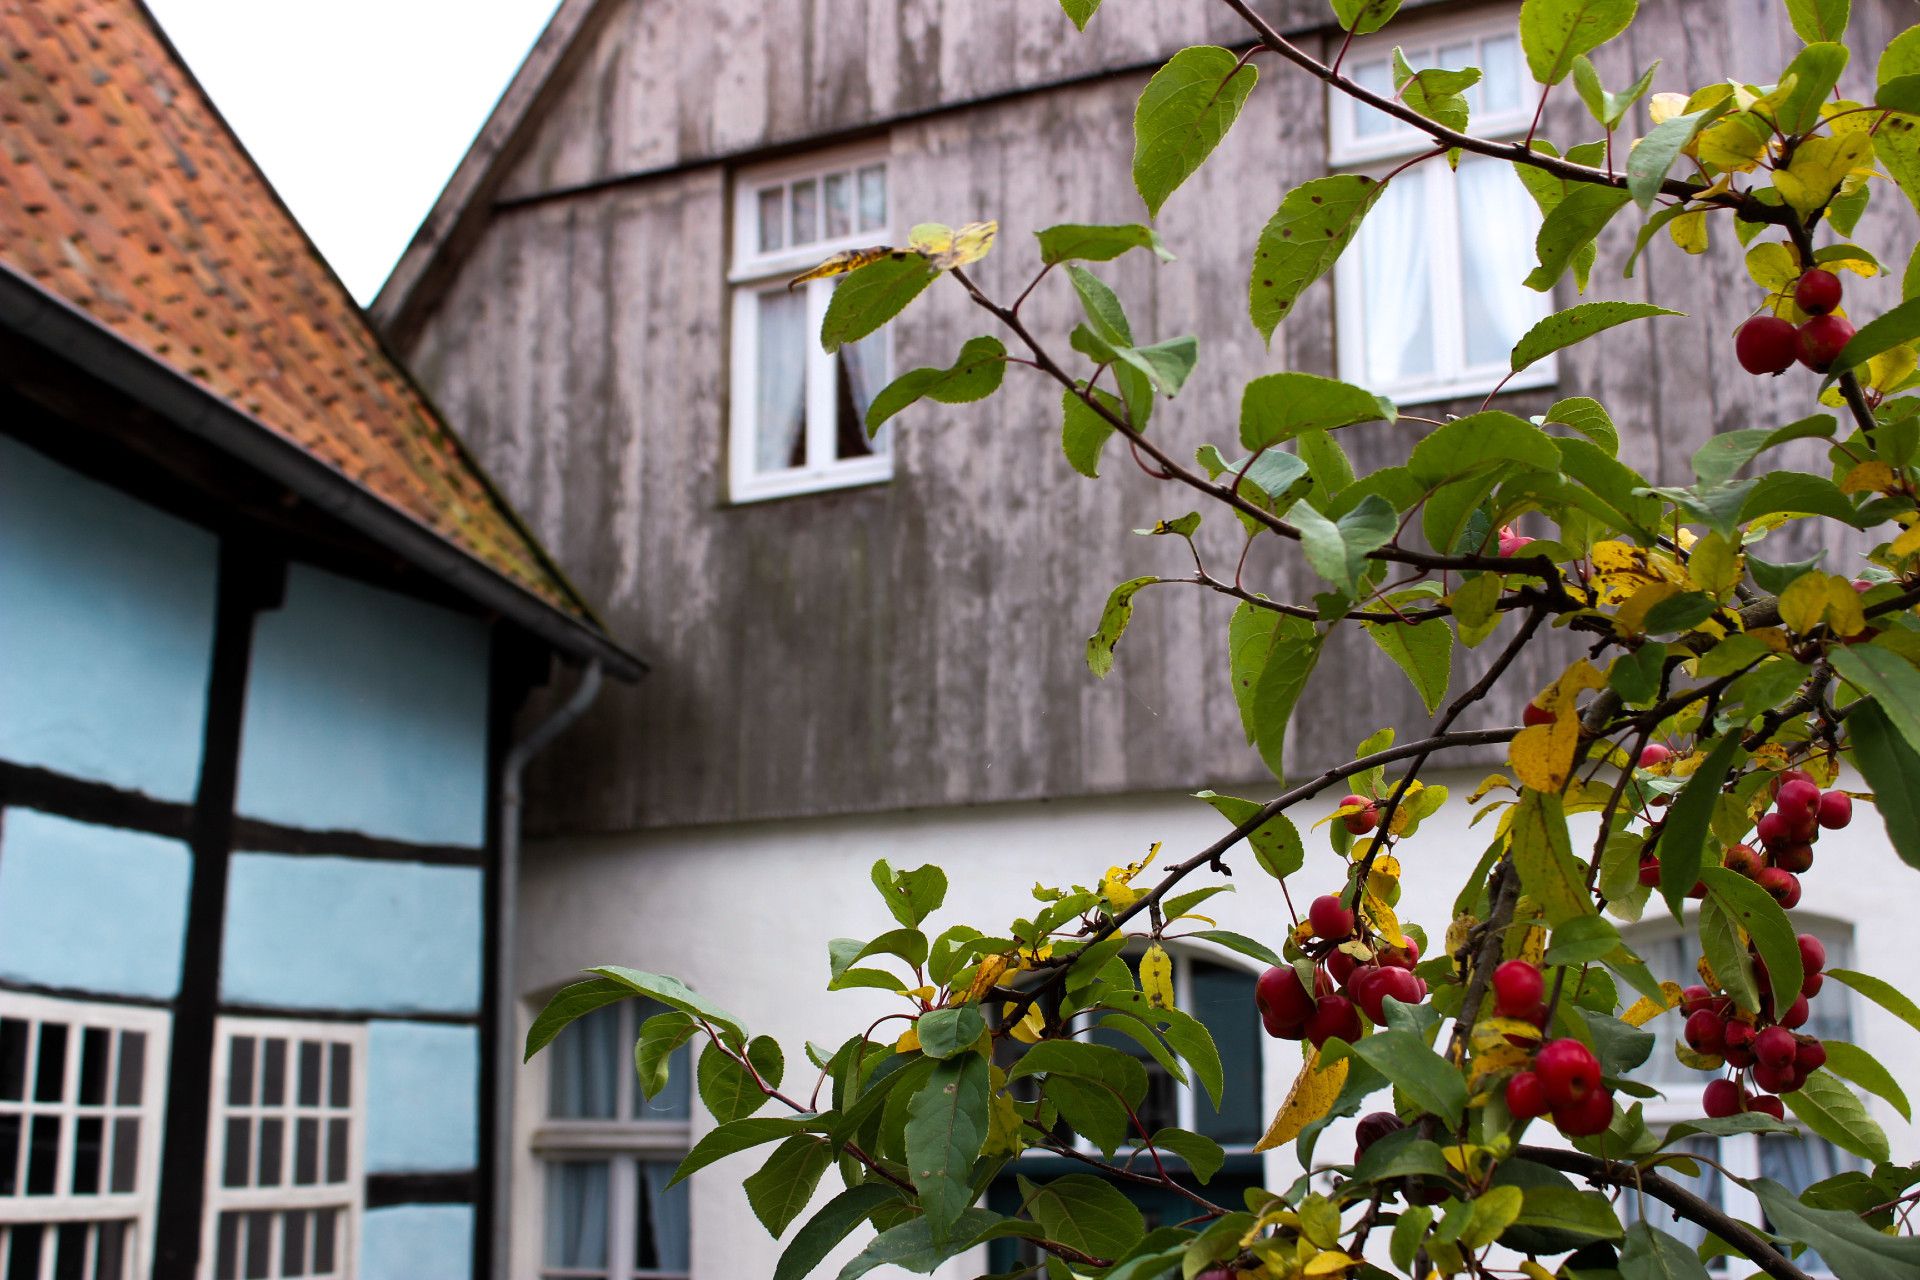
pixel 240 1071
pixel 337 1150
pixel 13 1059
pixel 839 202
pixel 273 1072
pixel 1455 57
pixel 1498 223
pixel 772 207
pixel 873 197
pixel 806 211
pixel 860 371
pixel 110 1260
pixel 88 1135
pixel 306 1152
pixel 259 1246
pixel 10 1155
pixel 310 1060
pixel 1377 76
pixel 661 1235
pixel 126 1154
pixel 94 1042
pixel 576 1220
pixel 23 1257
pixel 272 1136
pixel 340 1077
pixel 127 1089
pixel 1396 303
pixel 585 1067
pixel 326 1233
pixel 1223 1002
pixel 43 1155
pixel 227 1256
pixel 71 1260
pixel 781 381
pixel 50 1072
pixel 239 1147
pixel 293 1244
pixel 1500 80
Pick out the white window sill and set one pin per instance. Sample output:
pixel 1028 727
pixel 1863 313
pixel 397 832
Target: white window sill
pixel 1478 383
pixel 765 486
pixel 612 1137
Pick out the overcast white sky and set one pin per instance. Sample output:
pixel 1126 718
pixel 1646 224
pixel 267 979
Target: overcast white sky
pixel 358 110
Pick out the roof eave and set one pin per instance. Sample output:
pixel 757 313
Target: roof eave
pixel 56 324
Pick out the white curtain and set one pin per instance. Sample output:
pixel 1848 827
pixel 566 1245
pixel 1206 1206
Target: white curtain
pixel 1396 287
pixel 1498 223
pixel 664 1234
pixel 586 1068
pixel 1797 1163
pixel 577 1215
pixel 781 419
pixel 865 363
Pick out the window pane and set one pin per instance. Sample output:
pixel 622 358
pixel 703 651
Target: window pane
pixel 110 1262
pixel 293 1245
pixel 839 201
pixel 9 1155
pixel 1160 1109
pixel 50 1073
pixel 126 1154
pixel 1498 222
pixel 88 1134
pixel 43 1155
pixel 326 1233
pixel 1500 80
pixel 259 1245
pixel 873 197
pixel 661 1234
pixel 240 1071
pixel 340 1077
pixel 310 1059
pixel 1376 75
pixel 806 211
pixel 1454 57
pixel 93 1066
pixel 577 1215
pixel 273 1072
pixel 337 1150
pixel 1223 1001
pixel 582 1071
pixel 860 370
pixel 272 1157
pixel 227 1264
pixel 1396 307
pixel 69 1263
pixel 772 210
pixel 13 1059
pixel 239 1147
pixel 780 441
pixel 1797 1163
pixel 306 1152
pixel 133 1069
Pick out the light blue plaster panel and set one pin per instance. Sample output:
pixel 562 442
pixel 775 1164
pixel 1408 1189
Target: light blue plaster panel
pixel 423 1097
pixel 106 630
pixel 367 712
pixel 95 908
pixel 417 1242
pixel 352 933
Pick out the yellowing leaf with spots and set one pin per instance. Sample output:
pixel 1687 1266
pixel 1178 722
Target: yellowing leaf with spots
pixel 1487 784
pixel 1819 166
pixel 1310 1098
pixel 909 1041
pixel 946 248
pixel 1117 885
pixel 1330 1262
pixel 1156 977
pixel 985 976
pixel 1646 1008
pixel 1906 544
pixel 1867 477
pixel 1495 1060
pixel 1631 620
pixel 1385 923
pixel 1689 232
pixel 1032 1024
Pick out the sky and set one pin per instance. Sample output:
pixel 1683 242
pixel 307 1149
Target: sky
pixel 358 110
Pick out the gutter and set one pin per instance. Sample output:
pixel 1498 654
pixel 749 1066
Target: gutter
pixel 506 956
pixel 71 334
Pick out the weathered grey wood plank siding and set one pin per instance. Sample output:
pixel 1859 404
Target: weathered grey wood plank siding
pixel 920 642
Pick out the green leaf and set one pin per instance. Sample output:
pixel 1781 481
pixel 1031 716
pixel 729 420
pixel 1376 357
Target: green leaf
pixel 1364 17
pixel 1084 432
pixel 660 1035
pixel 1272 656
pixel 1796 493
pixel 1814 72
pixel 1767 926
pixel 1433 1084
pixel 1185 110
pixel 1102 307
pixel 1652 1254
pixel 946 1032
pixel 1882 333
pixel 1554 32
pixel 1590 418
pixel 726 1087
pixel 1111 1068
pixel 1887 678
pixel 1113 623
pixel 946 1127
pixel 1882 993
pixel 1480 441
pixel 784 1184
pixel 1577 324
pixel 1337 550
pixel 727 1139
pixel 1723 455
pixel 1276 843
pixel 1085 1213
pixel 1070 241
pixel 1424 652
pixel 1726 953
pixel 1574 224
pixel 1608 108
pixel 974 376
pixel 1408 1231
pixel 1203 1155
pixel 1683 838
pixel 1090 1111
pixel 915 1246
pixel 671 992
pixel 872 295
pixel 1828 1107
pixel 575 1000
pixel 1851 1062
pixel 1818 19
pixel 1587 1214
pixel 911 896
pixel 1847 1245
pixel 1581 939
pixel 1727 1126
pixel 1302 240
pixel 1281 406
pixel 826 1229
pixel 1440 96
pixel 1494 1210
pixel 1543 855
pixel 1889 766
pixel 1244 945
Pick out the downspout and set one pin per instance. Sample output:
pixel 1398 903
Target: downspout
pixel 506 1012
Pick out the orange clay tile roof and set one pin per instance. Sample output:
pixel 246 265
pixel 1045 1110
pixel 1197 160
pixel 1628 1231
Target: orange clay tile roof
pixel 123 192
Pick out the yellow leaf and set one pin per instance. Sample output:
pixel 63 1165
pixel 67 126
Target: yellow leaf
pixel 1533 945
pixel 1689 231
pixel 1868 477
pixel 1458 932
pixel 1032 1025
pixel 909 1041
pixel 1646 1009
pixel 1310 1098
pixel 1819 166
pixel 1493 1032
pixel 1006 1133
pixel 1885 372
pixel 1496 1060
pixel 1487 784
pixel 1735 143
pixel 986 976
pixel 1773 265
pixel 1804 603
pixel 945 247
pixel 1534 1271
pixel 1662 107
pixel 848 260
pixel 1631 620
pixel 924 993
pixel 1845 614
pixel 1117 885
pixel 1330 1262
pixel 1385 923
pixel 1906 544
pixel 1156 977
pixel 1698 1061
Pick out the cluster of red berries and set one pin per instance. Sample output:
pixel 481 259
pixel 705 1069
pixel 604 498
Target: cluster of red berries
pixel 1786 832
pixel 1766 1047
pixel 1769 344
pixel 1565 1076
pixel 1343 985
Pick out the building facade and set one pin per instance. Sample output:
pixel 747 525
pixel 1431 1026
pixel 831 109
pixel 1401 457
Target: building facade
pixel 876 648
pixel 263 629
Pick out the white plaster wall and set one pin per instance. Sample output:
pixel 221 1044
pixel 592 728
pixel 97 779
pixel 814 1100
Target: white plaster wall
pixel 744 914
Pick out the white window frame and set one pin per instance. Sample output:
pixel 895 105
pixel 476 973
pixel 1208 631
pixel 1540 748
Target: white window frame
pixel 137 1207
pixel 347 1198
pixel 751 274
pixel 619 1143
pixel 1375 155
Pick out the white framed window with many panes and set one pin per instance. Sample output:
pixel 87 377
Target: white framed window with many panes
pixel 608 1150
pixel 1796 1161
pixel 82 1086
pixel 1428 298
pixel 798 414
pixel 285 1184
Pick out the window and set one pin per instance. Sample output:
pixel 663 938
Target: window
pixel 80 1093
pixel 609 1151
pixel 284 1159
pixel 799 414
pixel 1795 1161
pixel 1429 299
